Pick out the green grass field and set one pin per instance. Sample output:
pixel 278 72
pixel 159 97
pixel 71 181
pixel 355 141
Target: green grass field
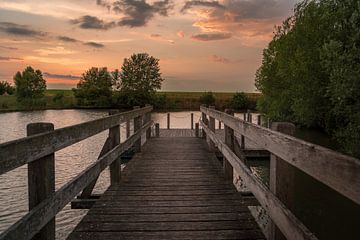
pixel 175 100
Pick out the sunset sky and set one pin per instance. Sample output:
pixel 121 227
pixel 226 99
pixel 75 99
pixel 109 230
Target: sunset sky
pixel 202 45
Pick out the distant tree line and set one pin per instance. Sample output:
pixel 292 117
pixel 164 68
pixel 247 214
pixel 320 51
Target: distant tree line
pixel 310 72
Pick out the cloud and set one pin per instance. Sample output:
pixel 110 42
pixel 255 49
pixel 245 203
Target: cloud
pixel 94 44
pixel 211 36
pixel 20 30
pixel 181 34
pixel 159 37
pixel 208 4
pixel 155 35
pixel 251 22
pixel 67 39
pixel 219 59
pixel 59 50
pixel 8 48
pixel 91 22
pixel 61 76
pixel 10 59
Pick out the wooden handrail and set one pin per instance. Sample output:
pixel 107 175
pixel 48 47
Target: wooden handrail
pixel 334 169
pixel 39 216
pixel 16 153
pixel 289 225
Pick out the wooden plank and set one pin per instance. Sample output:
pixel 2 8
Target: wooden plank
pixel 289 225
pixel 166 194
pixel 336 170
pixel 16 153
pixel 38 217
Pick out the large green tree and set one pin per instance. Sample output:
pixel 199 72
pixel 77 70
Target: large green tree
pixel 310 70
pixel 140 79
pixel 30 86
pixel 95 88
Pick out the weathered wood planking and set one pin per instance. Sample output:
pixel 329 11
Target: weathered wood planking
pixel 177 133
pixel 40 215
pixel 173 189
pixel 19 152
pixel 289 225
pixel 336 170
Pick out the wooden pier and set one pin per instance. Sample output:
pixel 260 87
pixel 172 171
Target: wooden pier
pixel 175 186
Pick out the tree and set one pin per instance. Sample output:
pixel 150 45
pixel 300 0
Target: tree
pixel 30 86
pixel 239 101
pixel 94 88
pixel 140 78
pixel 5 87
pixel 310 70
pixel 207 98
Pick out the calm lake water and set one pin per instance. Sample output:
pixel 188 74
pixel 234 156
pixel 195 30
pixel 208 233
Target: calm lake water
pixel 326 213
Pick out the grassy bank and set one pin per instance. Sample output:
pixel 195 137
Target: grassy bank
pixel 65 99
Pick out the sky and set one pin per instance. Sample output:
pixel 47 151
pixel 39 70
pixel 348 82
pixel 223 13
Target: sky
pixel 202 45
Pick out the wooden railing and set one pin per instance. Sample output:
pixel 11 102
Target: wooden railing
pixel 336 170
pixel 38 152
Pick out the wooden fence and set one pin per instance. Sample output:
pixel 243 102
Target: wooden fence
pixel 336 170
pixel 37 150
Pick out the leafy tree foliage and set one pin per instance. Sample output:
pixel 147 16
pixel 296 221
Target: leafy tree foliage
pixel 95 88
pixel 208 98
pixel 30 86
pixel 239 101
pixel 5 87
pixel 140 79
pixel 310 70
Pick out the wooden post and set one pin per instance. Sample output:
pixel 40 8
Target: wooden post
pixel 219 125
pixel 41 180
pixel 196 129
pixel 168 121
pixel 212 128
pixel 259 120
pixel 115 166
pixel 192 121
pixel 244 116
pixel 205 121
pixel 137 126
pixel 229 141
pixel 249 116
pixel 127 128
pixel 282 178
pixel 148 119
pixel 157 130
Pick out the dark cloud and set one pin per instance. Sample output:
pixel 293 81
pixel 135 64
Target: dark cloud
pixel 69 77
pixel 20 30
pixel 6 59
pixel 8 48
pixel 67 39
pixel 211 4
pixel 91 22
pixel 94 44
pixel 137 13
pixel 211 36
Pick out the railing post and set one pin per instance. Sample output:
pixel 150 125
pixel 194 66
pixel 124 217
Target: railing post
pixel 249 116
pixel 115 166
pixel 157 130
pixel 168 121
pixel 197 130
pixel 282 178
pixel 212 128
pixel 219 125
pixel 148 119
pixel 127 129
pixel 41 180
pixel 229 141
pixel 137 126
pixel 259 120
pixel 192 121
pixel 205 121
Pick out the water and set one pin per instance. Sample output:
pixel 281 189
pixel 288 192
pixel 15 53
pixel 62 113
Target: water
pixel 325 212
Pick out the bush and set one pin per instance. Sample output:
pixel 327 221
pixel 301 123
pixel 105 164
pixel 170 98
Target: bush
pixel 59 97
pixel 5 87
pixel 239 101
pixel 208 99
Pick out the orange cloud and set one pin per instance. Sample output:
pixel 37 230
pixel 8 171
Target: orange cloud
pixel 181 34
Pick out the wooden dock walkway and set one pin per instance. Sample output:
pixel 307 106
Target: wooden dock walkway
pixel 173 189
